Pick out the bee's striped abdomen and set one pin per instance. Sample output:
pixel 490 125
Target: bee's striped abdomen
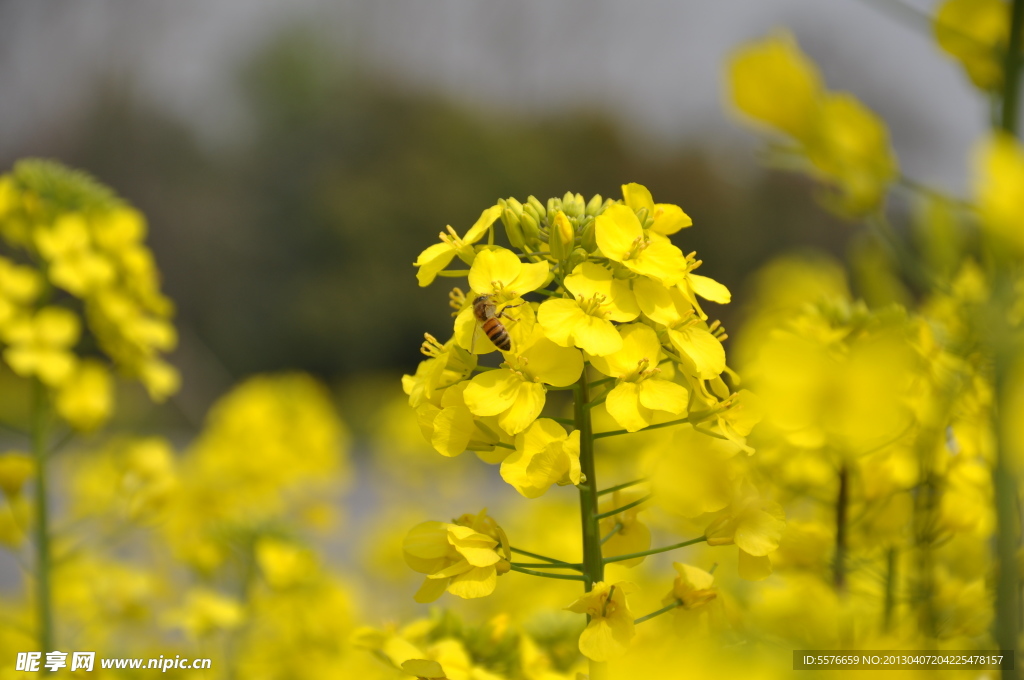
pixel 497 334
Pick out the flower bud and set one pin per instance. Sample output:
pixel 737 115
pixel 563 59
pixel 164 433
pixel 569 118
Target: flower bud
pixel 512 229
pixel 560 237
pixel 588 236
pixel 538 207
pixel 515 205
pixel 554 206
pixel 595 205
pixel 528 223
pixel 576 258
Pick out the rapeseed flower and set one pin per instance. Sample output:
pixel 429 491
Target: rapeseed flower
pixel 611 622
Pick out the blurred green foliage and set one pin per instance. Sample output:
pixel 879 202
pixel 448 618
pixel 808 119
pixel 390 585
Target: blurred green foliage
pixel 293 248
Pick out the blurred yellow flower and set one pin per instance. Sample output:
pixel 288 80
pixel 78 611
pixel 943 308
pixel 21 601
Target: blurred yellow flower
pixel 975 33
pixel 15 469
pixel 544 455
pixel 42 345
pixel 611 622
pixel 86 399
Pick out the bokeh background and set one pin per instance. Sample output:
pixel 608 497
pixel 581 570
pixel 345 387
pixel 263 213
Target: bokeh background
pixel 294 157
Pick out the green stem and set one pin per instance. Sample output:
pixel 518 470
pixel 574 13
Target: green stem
pixel 593 566
pixel 615 433
pixel 453 273
pixel 616 529
pixel 842 503
pixel 564 421
pixel 619 487
pixel 535 556
pixel 1011 70
pixel 562 577
pixel 547 565
pixel 891 575
pixel 663 610
pixel 44 610
pixel 625 507
pixel 655 551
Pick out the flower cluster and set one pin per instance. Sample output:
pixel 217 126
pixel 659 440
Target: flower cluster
pixel 75 260
pixel 832 134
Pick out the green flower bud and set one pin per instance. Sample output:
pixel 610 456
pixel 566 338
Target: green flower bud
pixel 529 225
pixel 541 211
pixel 595 206
pixel 576 257
pixel 561 236
pixel 512 229
pixel 554 205
pixel 588 237
pixel 515 205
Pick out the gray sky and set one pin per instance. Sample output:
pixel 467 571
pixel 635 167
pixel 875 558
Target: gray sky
pixel 655 65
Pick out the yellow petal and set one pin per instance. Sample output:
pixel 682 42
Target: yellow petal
pixel 493 270
pixel 453 428
pixel 492 392
pixel 430 590
pixel 623 404
pixel 426 547
pixel 668 219
pixel 702 348
pixel 661 261
pixel 709 289
pixel 559 318
pixel 554 365
pixel 431 261
pixel 758 531
pixel 597 337
pixel 532 275
pixel 482 224
pixel 617 230
pixel 528 404
pixel 637 196
pixel 664 395
pixel 477 582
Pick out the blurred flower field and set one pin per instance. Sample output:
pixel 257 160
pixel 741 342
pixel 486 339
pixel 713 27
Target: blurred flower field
pixel 587 476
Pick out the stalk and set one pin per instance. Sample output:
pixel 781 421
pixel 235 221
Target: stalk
pixel 1007 623
pixel 44 611
pixel 593 563
pixel 842 501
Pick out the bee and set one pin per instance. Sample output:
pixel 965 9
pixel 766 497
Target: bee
pixel 485 311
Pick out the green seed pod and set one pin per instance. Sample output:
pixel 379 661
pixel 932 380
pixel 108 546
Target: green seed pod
pixel 531 230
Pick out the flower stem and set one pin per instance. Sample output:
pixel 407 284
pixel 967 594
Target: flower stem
pixel 619 487
pixel 535 556
pixel 547 565
pixel 628 506
pixel 655 551
pixel 616 529
pixel 593 564
pixel 615 433
pixel 663 610
pixel 1011 70
pixel 44 615
pixel 564 577
pixel 839 561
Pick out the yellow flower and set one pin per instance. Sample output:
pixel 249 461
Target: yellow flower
pixel 460 559
pixel 516 392
pixel 640 389
pixel 850 147
pixel 621 238
pixel 41 346
pixel 755 527
pixel 739 419
pixel 436 257
pixel 773 82
pixel 611 623
pixel 630 534
pixel 446 365
pixel 74 265
pixel 500 272
pixel 283 563
pixel 999 187
pixel 206 611
pixel 586 320
pixel 452 428
pixel 688 334
pixel 86 399
pixel 666 218
pixel 693 590
pixel 19 286
pixel 15 469
pixel 544 455
pixel 975 32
